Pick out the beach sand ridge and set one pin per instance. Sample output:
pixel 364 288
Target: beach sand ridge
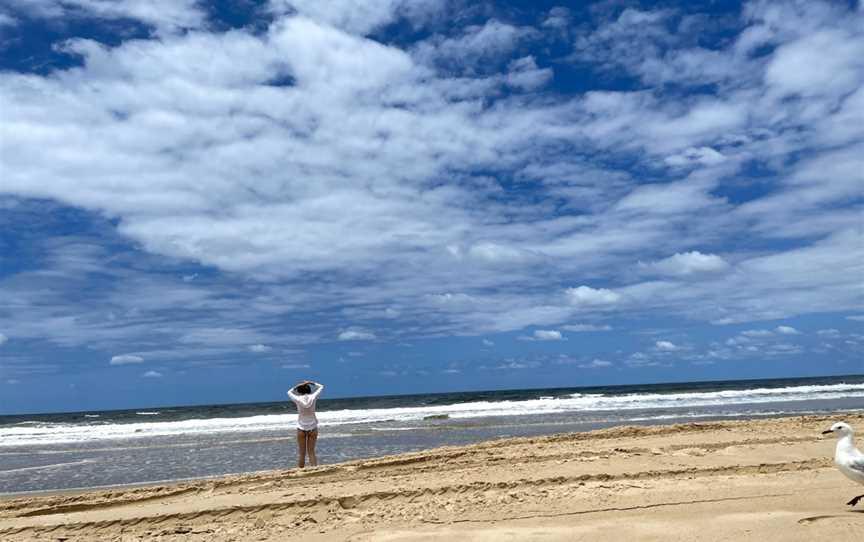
pixel 766 480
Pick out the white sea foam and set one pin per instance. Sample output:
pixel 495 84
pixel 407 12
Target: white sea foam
pixel 50 433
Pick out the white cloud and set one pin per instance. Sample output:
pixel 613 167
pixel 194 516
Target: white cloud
pixel 295 366
pixel 783 350
pixel 476 44
pixel 220 336
pixel 165 16
pixel 828 332
pixel 524 74
pixel 582 328
pixel 3 339
pixel 517 365
pixel 152 374
pixel 687 263
pixel 260 348
pixel 695 156
pixel 492 252
pixel 487 342
pixel 547 335
pixel 640 359
pixel 787 330
pixel 587 296
pixel 757 333
pixel 856 318
pixel 450 299
pixel 13 381
pixel 395 138
pixel 558 17
pixel 126 359
pixel 833 61
pixel 356 17
pixel 752 292
pixel 666 346
pixel 596 364
pixel 356 335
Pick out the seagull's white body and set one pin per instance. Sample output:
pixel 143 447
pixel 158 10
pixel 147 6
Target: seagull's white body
pixel 849 460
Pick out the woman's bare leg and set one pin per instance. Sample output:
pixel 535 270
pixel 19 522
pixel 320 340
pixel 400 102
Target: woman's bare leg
pixel 311 439
pixel 301 448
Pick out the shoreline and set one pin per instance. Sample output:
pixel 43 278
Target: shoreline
pixel 651 423
pixel 548 485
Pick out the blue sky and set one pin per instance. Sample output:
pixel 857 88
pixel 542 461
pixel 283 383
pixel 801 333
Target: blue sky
pixel 208 201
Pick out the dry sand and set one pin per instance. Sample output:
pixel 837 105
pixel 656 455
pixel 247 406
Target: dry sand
pixel 767 480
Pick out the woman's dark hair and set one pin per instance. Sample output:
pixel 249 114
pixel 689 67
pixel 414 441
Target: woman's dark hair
pixel 303 389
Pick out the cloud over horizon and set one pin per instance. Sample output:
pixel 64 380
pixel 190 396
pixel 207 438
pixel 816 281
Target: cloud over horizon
pixel 392 171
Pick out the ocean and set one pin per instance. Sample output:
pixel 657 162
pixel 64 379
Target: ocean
pixel 95 449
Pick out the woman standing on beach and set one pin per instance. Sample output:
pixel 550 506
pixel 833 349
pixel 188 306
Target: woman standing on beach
pixel 307 423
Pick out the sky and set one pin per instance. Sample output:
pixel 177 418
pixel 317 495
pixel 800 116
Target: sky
pixel 208 201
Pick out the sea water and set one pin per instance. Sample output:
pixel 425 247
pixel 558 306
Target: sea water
pixel 91 449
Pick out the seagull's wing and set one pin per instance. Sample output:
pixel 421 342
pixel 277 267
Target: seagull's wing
pixel 853 467
pixel 857 464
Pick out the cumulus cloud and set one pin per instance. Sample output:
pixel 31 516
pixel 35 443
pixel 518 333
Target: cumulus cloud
pixel 295 366
pixel 126 359
pixel 582 328
pixel 356 335
pixel 687 263
pixel 640 359
pixel 3 339
pixel 695 156
pixel 495 253
pixel 666 346
pixel 547 335
pixel 524 74
pixel 356 17
pixel 164 16
pixel 260 348
pixel 220 336
pixel 381 169
pixel 476 44
pixel 833 60
pixel 757 333
pixel 558 17
pixel 152 374
pixel 596 364
pixel 517 365
pixel 787 330
pixel 587 296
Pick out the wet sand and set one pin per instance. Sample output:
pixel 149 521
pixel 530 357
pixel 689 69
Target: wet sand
pixel 766 480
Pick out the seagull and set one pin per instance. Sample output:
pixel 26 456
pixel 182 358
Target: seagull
pixel 849 460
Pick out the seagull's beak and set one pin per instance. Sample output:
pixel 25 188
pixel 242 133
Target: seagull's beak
pixel 827 432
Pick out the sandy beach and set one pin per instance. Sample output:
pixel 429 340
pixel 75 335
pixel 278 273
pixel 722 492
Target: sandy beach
pixel 766 480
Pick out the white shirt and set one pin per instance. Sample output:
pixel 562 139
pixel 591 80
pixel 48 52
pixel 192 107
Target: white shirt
pixel 306 419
